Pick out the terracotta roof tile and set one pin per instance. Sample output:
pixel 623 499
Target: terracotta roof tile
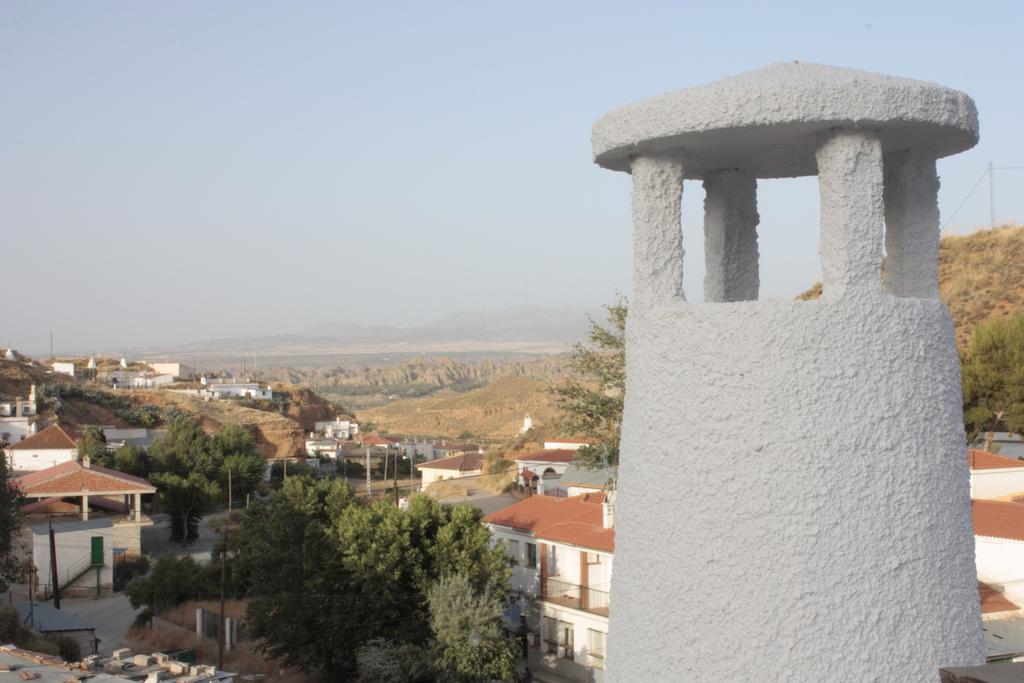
pixel 373 439
pixel 578 520
pixel 551 455
pixel 993 601
pixel 998 519
pixel 73 478
pixel 53 436
pixel 983 460
pixel 463 463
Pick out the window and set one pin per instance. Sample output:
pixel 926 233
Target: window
pixel 566 640
pixel 550 633
pixel 531 555
pixel 593 558
pixel 595 648
pixel 513 550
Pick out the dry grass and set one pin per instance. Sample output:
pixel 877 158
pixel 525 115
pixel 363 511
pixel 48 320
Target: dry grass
pixel 981 276
pixel 491 413
pixel 244 658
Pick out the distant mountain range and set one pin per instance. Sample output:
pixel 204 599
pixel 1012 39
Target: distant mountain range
pixel 521 329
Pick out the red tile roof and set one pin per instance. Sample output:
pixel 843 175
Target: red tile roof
pixel 468 462
pixel 53 436
pixel 993 601
pixel 372 439
pixel 528 474
pixel 578 520
pixel 71 478
pixel 552 455
pixel 983 460
pixel 998 519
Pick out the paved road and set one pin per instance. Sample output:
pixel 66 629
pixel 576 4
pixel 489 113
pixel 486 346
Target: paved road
pixel 111 616
pixel 156 539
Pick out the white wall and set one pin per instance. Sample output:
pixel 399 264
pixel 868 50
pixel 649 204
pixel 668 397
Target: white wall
pixel 1000 562
pixel 581 667
pixel 73 540
pixel 64 368
pixel 431 474
pixel 31 460
pixel 524 579
pixel 17 427
pixel 997 483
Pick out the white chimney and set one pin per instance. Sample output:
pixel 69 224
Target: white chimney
pixel 86 462
pixel 608 510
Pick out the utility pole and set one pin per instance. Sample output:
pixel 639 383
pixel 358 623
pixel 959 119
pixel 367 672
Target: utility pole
pixel 991 198
pixel 221 630
pixel 51 346
pixel 53 567
pixel 229 492
pixel 369 489
pixel 396 478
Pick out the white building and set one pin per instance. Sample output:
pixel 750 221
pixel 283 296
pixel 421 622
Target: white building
pixel 455 467
pixel 336 428
pixel 19 407
pixel 175 370
pixel 995 476
pixel 542 468
pixel 14 429
pixel 51 446
pixel 565 444
pixel 86 546
pixel 999 546
pixel 562 550
pixel 238 390
pixel 152 381
pixel 62 368
pixel 328 447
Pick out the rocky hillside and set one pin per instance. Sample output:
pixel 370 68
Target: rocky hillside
pixel 374 384
pixel 981 276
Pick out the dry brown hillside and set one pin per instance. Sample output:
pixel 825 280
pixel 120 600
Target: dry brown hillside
pixel 981 276
pixel 491 413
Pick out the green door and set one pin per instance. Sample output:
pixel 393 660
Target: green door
pixel 97 550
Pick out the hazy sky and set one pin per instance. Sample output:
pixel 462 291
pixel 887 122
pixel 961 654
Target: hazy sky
pixel 172 171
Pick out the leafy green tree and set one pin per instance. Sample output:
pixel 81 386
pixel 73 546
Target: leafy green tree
pixel 93 445
pixel 592 399
pixel 233 440
pixel 174 579
pixel 133 460
pixel 11 501
pixel 993 377
pixel 386 661
pixel 185 449
pixel 355 573
pixel 187 500
pixel 469 640
pixel 235 446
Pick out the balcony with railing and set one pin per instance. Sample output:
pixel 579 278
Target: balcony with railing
pixel 585 598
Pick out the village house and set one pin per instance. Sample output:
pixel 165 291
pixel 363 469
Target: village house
pixel 999 545
pixel 63 368
pixel 152 381
pixel 454 467
pixel 565 444
pixel 51 446
pixel 19 407
pixel 336 428
pixel 995 476
pixel 562 550
pixel 327 447
pixel 534 469
pixel 97 518
pixel 178 371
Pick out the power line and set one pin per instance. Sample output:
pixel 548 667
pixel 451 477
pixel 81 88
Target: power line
pixel 987 173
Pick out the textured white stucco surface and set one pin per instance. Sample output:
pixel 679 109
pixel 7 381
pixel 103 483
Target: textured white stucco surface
pixel 765 120
pixel 793 496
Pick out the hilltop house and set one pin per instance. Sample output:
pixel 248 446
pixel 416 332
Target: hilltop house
pixel 18 407
pixel 562 552
pixel 454 467
pixel 62 368
pixel 540 466
pixel 152 380
pixel 97 515
pixel 178 371
pixel 51 446
pixel 336 428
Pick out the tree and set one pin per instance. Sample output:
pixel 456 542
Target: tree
pixel 235 446
pixel 173 580
pixel 469 640
pixel 592 399
pixel 187 500
pixel 133 460
pixel 11 500
pixel 93 445
pixel 185 449
pixel 355 573
pixel 385 661
pixel 993 377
